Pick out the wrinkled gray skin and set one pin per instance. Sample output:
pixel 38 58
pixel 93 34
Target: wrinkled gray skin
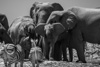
pixel 83 24
pixel 22 27
pixel 3 29
pixel 4 21
pixel 40 13
pixel 51 33
pixel 4 35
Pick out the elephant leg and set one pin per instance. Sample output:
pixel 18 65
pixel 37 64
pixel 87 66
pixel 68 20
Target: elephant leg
pixel 80 53
pixel 57 52
pixel 40 43
pixel 33 63
pixel 5 62
pixel 9 65
pixel 27 54
pixel 16 64
pixel 21 63
pixel 64 52
pixel 70 54
pixel 46 48
pixel 47 52
pixel 51 54
pixel 84 44
pixel 52 44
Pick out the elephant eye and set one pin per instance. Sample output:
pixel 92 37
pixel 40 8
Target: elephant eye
pixel 71 16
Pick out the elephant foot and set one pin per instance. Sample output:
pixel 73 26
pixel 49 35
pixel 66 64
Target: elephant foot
pixel 51 59
pixel 79 61
pixel 65 60
pixel 45 59
pixel 26 57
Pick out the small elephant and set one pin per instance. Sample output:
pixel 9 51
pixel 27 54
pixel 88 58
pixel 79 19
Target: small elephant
pixel 50 35
pixel 21 27
pixel 41 11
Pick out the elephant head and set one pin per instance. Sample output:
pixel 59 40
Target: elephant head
pixel 4 35
pixel 21 27
pixel 49 30
pixel 30 30
pixel 41 11
pixel 67 18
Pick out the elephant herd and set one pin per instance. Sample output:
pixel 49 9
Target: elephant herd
pixel 54 29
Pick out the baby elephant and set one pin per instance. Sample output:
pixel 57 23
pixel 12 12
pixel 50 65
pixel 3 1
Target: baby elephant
pixel 36 55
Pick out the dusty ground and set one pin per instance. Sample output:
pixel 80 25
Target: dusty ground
pixel 92 54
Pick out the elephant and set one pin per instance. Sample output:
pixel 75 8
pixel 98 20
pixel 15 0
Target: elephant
pixel 26 44
pixel 22 31
pixel 81 23
pixel 21 27
pixel 40 13
pixel 57 17
pixel 4 21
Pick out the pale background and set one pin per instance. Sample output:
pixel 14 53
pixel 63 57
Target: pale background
pixel 16 8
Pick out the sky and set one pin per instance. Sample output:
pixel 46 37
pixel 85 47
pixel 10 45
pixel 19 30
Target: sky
pixel 15 8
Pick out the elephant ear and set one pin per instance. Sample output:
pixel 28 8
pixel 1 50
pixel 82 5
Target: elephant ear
pixel 40 29
pixel 59 28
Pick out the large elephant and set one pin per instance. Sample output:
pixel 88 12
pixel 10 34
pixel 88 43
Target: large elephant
pixel 4 35
pixel 83 24
pixel 4 21
pixel 41 11
pixel 21 27
pixel 22 31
